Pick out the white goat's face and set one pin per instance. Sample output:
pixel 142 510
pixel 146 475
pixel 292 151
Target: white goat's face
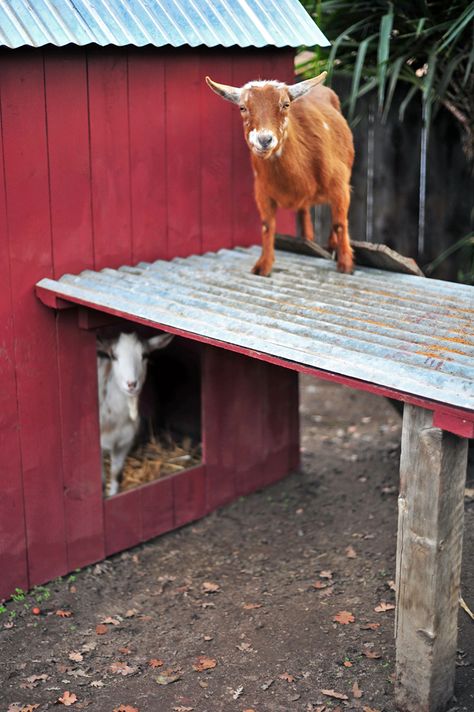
pixel 129 359
pixel 265 109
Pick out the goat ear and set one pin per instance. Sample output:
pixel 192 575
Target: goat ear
pixel 225 91
pixel 302 88
pixel 159 342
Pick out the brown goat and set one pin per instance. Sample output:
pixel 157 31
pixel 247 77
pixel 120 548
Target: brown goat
pixel 302 154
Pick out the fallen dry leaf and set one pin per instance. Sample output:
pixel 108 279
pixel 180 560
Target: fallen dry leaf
pixel 167 677
pixel 125 651
pixel 347 663
pixel 382 607
pixel 202 663
pixel 351 552
pixel 325 574
pixel 101 629
pixel 97 683
pixel 344 618
pixel 180 708
pixel 251 606
pixel 333 693
pixel 122 668
pixel 392 585
pixel 67 698
pixel 18 707
pixel 371 654
pixel 131 612
pixel 287 677
pixel 210 587
pixel 155 663
pixel 77 657
pixel 37 678
pixel 369 709
pixel 63 614
pixel 370 626
pixel 356 691
pixel 110 621
pixel 320 584
pixel 125 708
pixel 88 647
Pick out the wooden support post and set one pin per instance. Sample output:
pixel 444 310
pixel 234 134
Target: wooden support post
pixel 430 523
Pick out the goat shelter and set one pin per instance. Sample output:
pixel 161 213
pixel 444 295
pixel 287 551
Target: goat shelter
pixel 114 151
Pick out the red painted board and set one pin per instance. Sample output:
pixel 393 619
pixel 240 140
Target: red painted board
pixel 247 65
pixel 249 383
pixel 110 159
pixel 216 152
pixel 69 164
pixel 219 405
pixel 29 229
pixel 13 561
pixel 71 224
pixel 462 427
pixel 123 522
pixel 147 110
pixel 183 86
pixel 80 442
pixel 281 422
pixel 157 508
pixel 189 492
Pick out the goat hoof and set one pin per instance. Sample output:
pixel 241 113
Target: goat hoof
pixel 261 269
pixel 346 267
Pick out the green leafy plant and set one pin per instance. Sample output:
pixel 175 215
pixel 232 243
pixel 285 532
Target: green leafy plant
pixel 18 595
pixel 427 46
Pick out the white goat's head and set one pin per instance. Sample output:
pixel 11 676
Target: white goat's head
pixel 128 355
pixel 265 109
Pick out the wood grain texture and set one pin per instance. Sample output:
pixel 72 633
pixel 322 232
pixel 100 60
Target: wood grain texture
pixel 431 510
pixel 29 229
pixel 13 555
pixel 149 193
pixel 110 157
pixel 183 154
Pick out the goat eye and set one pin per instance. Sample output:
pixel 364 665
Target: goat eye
pixel 286 104
pixel 103 354
pixel 243 109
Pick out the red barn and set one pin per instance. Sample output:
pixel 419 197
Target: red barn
pixel 115 151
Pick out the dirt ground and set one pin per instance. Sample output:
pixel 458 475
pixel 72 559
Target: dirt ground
pixel 237 611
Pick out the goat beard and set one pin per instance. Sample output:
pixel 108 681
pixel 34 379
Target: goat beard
pixel 133 407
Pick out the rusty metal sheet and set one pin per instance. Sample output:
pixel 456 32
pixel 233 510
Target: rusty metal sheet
pixel 393 330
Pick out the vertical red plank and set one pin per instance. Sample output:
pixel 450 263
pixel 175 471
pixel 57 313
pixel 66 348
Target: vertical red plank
pixel 123 521
pixel 189 492
pixel 27 194
pixel 219 411
pixel 110 159
pixel 281 422
pixel 216 152
pixel 183 85
pixel 157 507
pixel 13 556
pixel 146 77
pixel 71 223
pixel 247 65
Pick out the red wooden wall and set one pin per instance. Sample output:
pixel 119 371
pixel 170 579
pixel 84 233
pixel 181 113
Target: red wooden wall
pixel 110 156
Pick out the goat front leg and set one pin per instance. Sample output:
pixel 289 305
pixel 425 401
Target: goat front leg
pixel 339 238
pixel 306 223
pixel 117 460
pixel 267 209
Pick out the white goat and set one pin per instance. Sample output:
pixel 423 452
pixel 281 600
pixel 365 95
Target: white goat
pixel 121 368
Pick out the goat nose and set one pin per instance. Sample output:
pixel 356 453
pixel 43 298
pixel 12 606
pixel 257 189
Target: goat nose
pixel 265 139
pixel 131 384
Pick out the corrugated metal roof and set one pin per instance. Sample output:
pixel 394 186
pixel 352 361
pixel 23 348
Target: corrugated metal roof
pixel 246 23
pixel 402 332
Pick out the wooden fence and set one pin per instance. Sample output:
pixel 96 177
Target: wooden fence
pixel 388 203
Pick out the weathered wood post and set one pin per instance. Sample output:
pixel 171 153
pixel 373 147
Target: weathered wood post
pixel 430 525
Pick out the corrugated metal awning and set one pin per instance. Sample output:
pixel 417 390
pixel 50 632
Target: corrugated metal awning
pixel 245 23
pixel 398 331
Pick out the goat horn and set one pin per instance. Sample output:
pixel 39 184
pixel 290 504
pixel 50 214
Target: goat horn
pixel 225 91
pixel 297 90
